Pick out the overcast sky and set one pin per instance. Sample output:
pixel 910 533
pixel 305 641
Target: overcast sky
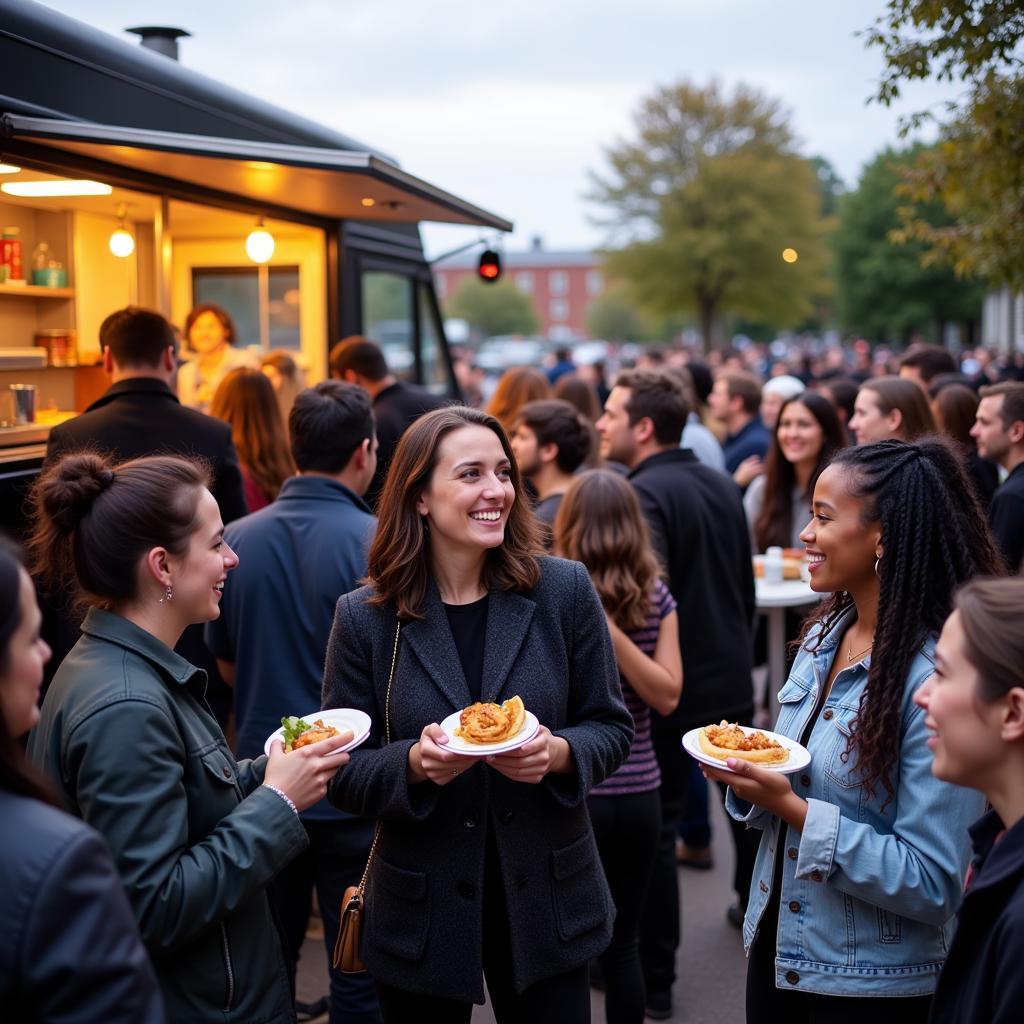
pixel 510 104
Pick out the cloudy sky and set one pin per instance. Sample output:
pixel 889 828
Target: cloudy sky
pixel 510 104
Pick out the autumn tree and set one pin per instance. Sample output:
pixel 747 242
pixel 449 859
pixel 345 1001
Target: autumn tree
pixel 977 169
pixel 885 290
pixel 492 308
pixel 702 202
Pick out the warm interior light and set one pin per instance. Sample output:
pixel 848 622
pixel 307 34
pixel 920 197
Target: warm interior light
pixel 368 201
pixel 59 187
pixel 259 246
pixel 121 243
pixel 790 255
pixel 9 169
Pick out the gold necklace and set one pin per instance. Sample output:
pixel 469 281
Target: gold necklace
pixel 851 657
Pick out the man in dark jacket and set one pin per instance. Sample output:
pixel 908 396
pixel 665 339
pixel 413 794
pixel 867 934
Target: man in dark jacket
pixel 700 534
pixel 396 403
pixel 139 414
pixel 296 557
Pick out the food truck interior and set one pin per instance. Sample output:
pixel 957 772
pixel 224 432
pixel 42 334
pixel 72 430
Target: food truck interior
pixel 126 178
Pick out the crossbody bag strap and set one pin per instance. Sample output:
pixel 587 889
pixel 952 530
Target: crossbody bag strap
pixel 387 739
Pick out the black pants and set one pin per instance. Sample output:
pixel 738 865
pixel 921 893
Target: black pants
pixel 627 830
pixel 767 1004
pixel 561 999
pixel 334 860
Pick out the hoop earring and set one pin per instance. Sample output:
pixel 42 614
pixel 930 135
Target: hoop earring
pixel 877 573
pixel 168 595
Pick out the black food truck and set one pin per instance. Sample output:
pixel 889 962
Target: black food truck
pixel 127 178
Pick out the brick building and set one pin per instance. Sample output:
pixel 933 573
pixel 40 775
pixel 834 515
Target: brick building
pixel 562 284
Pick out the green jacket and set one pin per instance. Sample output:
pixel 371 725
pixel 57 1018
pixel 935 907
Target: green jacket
pixel 126 733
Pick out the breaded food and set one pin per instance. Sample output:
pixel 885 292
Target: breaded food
pixel 492 723
pixel 314 734
pixel 729 740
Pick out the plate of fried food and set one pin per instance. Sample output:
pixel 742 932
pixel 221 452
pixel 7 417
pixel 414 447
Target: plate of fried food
pixel 712 744
pixel 296 733
pixel 483 729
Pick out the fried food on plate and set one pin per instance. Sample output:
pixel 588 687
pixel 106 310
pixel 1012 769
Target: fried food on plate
pixel 729 740
pixel 492 723
pixel 298 733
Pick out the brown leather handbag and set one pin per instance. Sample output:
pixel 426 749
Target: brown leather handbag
pixel 347 956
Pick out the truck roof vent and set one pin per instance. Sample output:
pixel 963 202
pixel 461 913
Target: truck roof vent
pixel 160 38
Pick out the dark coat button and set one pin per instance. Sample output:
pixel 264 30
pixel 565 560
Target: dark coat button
pixel 469 821
pixel 794 905
pixel 466 890
pixel 506 815
pixel 227 772
pixel 827 714
pixel 816 875
pixel 792 977
pixel 792 853
pixel 805 780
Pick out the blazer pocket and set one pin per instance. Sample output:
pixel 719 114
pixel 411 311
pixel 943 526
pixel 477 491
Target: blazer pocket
pixel 397 910
pixel 219 766
pixel 579 888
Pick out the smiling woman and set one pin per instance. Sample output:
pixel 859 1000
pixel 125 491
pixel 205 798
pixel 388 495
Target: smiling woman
pixel 461 608
pixel 125 730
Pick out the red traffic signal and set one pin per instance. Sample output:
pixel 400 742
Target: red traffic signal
pixel 489 268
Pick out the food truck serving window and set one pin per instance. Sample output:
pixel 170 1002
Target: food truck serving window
pixel 263 302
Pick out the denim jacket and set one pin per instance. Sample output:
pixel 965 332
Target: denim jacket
pixel 868 892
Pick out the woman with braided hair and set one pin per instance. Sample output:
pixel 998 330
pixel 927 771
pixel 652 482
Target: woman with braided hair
pixel 863 855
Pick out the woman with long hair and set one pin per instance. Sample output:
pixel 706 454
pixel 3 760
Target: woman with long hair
pixel 974 712
pixel 862 856
pixel 890 409
pixel 211 337
pixel 245 400
pixel 516 386
pixel 287 379
pixel 601 525
pixel 807 434
pixel 484 866
pixel 71 948
pixel 954 408
pixel 126 735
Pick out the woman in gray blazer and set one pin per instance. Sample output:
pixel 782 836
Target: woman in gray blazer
pixel 485 866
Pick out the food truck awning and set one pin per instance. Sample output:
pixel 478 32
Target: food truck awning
pixel 327 183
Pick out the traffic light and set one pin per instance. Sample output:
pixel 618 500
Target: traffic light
pixel 489 268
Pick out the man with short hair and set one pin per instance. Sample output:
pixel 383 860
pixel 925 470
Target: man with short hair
pixel 396 403
pixel 999 430
pixel 138 415
pixel 735 401
pixel 925 362
pixel 296 557
pixel 699 530
pixel 550 442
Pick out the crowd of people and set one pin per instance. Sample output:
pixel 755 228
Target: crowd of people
pixel 214 547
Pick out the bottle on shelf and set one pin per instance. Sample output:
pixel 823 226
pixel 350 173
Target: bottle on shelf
pixel 10 256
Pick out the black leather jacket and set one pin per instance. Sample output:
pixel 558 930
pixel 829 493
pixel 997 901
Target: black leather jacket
pixel 69 948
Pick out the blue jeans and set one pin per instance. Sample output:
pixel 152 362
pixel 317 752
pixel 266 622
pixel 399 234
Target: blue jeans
pixel 334 860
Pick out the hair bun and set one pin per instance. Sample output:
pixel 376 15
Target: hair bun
pixel 72 487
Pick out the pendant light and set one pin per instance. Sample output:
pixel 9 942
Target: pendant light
pixel 259 246
pixel 121 242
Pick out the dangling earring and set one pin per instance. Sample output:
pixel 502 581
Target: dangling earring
pixel 168 595
pixel 877 561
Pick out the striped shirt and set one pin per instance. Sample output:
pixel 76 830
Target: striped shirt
pixel 639 772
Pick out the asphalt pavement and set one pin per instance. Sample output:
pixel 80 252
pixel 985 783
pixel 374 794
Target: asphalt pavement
pixel 711 964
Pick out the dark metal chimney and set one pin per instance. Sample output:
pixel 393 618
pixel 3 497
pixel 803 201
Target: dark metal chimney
pixel 160 38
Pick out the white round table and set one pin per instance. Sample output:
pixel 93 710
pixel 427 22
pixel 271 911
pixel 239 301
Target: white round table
pixel 772 601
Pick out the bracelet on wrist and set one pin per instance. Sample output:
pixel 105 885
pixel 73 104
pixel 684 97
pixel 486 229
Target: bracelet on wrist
pixel 284 796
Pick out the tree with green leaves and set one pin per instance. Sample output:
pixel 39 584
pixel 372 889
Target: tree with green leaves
pixel 492 308
pixel 615 316
pixel 702 204
pixel 885 290
pixel 977 169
